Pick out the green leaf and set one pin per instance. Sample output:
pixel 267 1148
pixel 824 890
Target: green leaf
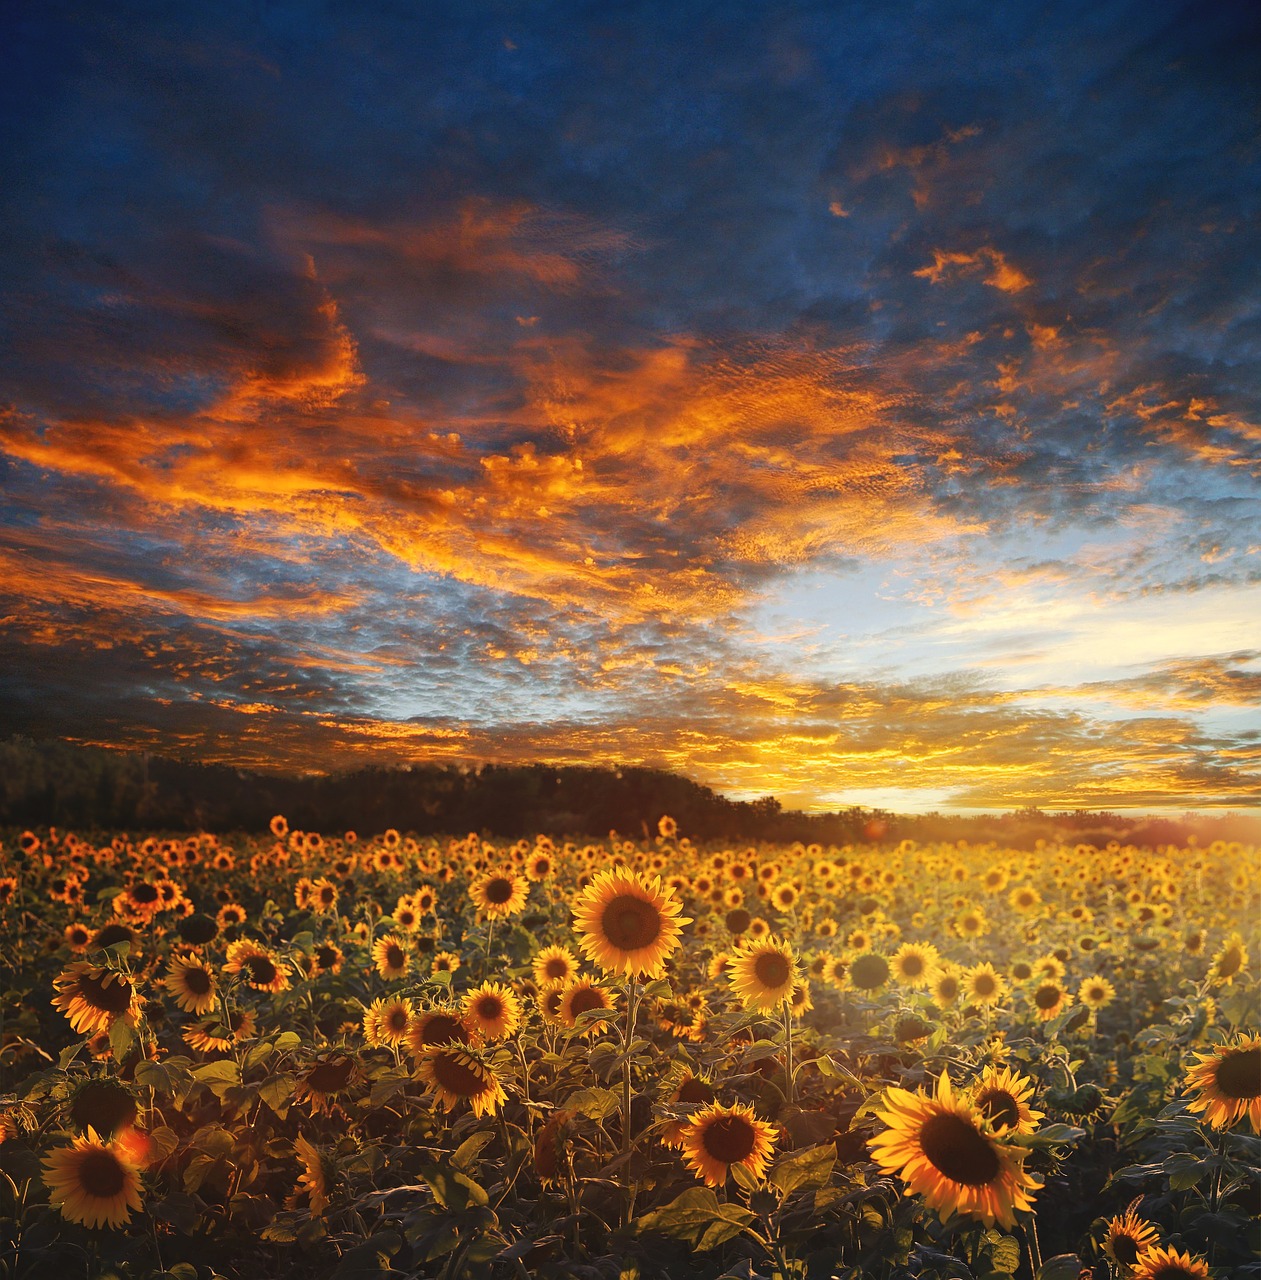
pixel 276 1093
pixel 1064 1266
pixel 1053 1135
pixel 697 1217
pixel 803 1169
pixel 122 1039
pixel 1004 1255
pixel 595 1104
pixel 287 1041
pixel 453 1190
pixel 156 1076
pixel 465 1155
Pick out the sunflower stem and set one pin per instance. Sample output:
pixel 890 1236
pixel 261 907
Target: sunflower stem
pixel 788 1042
pixel 490 941
pixel 627 1095
pixel 1035 1250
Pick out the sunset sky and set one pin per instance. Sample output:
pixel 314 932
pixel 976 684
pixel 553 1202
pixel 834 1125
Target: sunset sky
pixel 854 402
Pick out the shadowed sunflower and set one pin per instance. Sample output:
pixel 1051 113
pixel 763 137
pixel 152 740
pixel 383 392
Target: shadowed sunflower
pixel 492 1010
pixel 689 1091
pixel 1166 1263
pixel 1230 960
pixel 261 968
pixel 718 1137
pixel 314 1179
pixel 92 1182
pixel 628 924
pixel 390 957
pixel 1049 999
pixel 93 996
pixel 326 1082
pixel 943 1149
pixel 499 894
pixel 386 1021
pixel 763 974
pixel 455 1073
pixel 103 1106
pixel 554 966
pixel 435 1026
pixel 868 972
pixel 581 997
pixel 1127 1236
pixel 1003 1098
pixel 1227 1082
pixel 192 984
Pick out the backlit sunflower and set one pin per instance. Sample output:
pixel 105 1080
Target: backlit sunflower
pixel 579 997
pixel 314 1179
pixel 93 996
pixel 1050 998
pixel 554 966
pixel 943 1148
pixel 868 972
pixel 455 1073
pixel 1003 1098
pixel 390 957
pixel 492 1010
pixel 93 1182
pixel 192 984
pixel 1096 993
pixel 261 968
pixel 327 1081
pixel 211 1036
pixel 1230 960
pixel 914 964
pixel 386 1021
pixel 1127 1236
pixel 1167 1263
pixel 435 1026
pixel 718 1137
pixel 689 1090
pixel 628 924
pixel 763 973
pixel 499 894
pixel 1227 1082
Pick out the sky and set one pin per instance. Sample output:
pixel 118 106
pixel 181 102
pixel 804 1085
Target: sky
pixel 853 402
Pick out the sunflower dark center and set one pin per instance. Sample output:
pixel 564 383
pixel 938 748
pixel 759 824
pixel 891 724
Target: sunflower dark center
pixel 489 1008
pixel 1021 972
pixel 111 934
pixel 551 1002
pixel 772 969
pixel 394 956
pixel 110 997
pixel 588 998
pixel 1126 1249
pixel 457 1077
pixel 728 1139
pixel 101 1175
pixel 948 987
pixel 144 893
pixel 1238 1075
pixel 197 981
pixel 329 1077
pixel 869 972
pixel 696 1091
pixel 999 1107
pixel 498 890
pixel 397 1020
pixel 442 1028
pixel 983 984
pixel 912 966
pixel 738 920
pixel 261 969
pixel 556 967
pixel 1230 962
pixel 1048 996
pixel 958 1151
pixel 630 923
pixel 326 956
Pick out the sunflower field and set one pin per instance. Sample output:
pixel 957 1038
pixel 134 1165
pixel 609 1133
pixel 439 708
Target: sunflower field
pixel 294 1055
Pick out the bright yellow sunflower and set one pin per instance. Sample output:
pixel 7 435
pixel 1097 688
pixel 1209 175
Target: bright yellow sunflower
pixel 1003 1098
pixel 455 1073
pixel 763 973
pixel 262 969
pixel 390 957
pixel 1231 959
pixel 386 1021
pixel 93 1182
pixel 314 1179
pixel 492 1010
pixel 192 984
pixel 1096 993
pixel 1127 1236
pixel 554 966
pixel 1227 1082
pixel 944 1149
pixel 93 996
pixel 499 894
pixel 581 996
pixel 914 964
pixel 718 1137
pixel 1167 1263
pixel 628 924
pixel 1049 999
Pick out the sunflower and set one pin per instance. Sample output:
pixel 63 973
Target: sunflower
pixel 1230 960
pixel 390 957
pixel 435 1026
pixel 554 966
pixel 1049 999
pixel 540 865
pixel 192 983
pixel 914 964
pixel 103 1105
pixel 499 894
pixel 492 1010
pixel 444 962
pixel 1003 1098
pixel 231 914
pixel 263 969
pixel 718 1137
pixel 455 1073
pixel 386 1021
pixel 314 1179
pixel 93 1182
pixel 93 996
pixel 211 1036
pixel 322 896
pixel 328 958
pixel 1228 1083
pixel 328 1078
pixel 1161 1263
pixel 943 1148
pixel 628 924
pixel 1096 993
pixel 579 997
pixel 868 972
pixel 1127 1237
pixel 946 987
pixel 763 974
pixel 690 1091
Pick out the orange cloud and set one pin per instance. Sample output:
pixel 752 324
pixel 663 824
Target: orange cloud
pixel 948 264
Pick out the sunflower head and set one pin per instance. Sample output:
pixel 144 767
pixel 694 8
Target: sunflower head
pixel 1127 1236
pixel 628 924
pixel 763 973
pixel 718 1137
pixel 456 1073
pixel 93 1182
pixel 1226 1083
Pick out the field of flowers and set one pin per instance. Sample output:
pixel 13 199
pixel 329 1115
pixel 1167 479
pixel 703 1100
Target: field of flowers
pixel 295 1055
